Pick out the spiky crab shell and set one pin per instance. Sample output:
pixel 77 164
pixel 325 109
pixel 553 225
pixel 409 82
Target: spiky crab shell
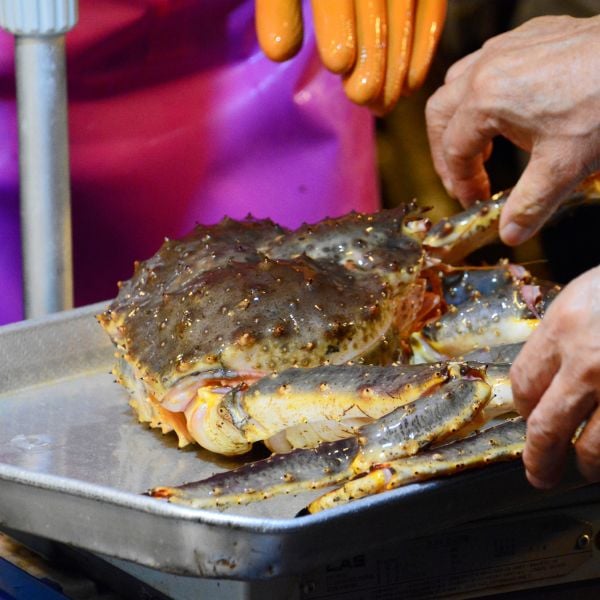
pixel 251 296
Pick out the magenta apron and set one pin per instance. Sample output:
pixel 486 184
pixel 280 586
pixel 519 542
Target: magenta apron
pixel 175 117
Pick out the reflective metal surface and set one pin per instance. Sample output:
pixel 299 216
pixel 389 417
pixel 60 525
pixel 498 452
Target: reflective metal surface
pixel 74 462
pixel 44 174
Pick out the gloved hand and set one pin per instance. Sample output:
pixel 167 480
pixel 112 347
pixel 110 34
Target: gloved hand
pixel 381 48
pixel 556 384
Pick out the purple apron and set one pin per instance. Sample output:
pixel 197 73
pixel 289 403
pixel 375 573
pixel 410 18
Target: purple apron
pixel 175 117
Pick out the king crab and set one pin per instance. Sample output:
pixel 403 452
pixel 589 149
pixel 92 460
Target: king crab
pixel 245 331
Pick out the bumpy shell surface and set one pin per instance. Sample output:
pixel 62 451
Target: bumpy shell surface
pixel 252 296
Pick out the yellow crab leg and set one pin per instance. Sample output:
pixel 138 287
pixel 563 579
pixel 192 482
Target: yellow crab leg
pixel 230 423
pixel 503 442
pixel 403 432
pixel 410 428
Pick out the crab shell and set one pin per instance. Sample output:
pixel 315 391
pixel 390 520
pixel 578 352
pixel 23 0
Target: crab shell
pixel 243 299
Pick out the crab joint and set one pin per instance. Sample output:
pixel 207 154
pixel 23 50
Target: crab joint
pixel 211 425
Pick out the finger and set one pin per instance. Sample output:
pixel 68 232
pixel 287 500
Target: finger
pixel 465 142
pixel 279 27
pixel 429 23
pixel 534 369
pixel 400 32
pixel 587 448
pixel 537 194
pixel 550 428
pixel 365 82
pixel 335 30
pixel 439 110
pixel 459 67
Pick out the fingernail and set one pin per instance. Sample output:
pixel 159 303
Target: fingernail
pixel 513 234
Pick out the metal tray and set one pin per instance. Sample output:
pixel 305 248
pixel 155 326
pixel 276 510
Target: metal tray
pixel 74 462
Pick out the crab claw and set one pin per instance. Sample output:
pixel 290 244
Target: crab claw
pixel 457 236
pixel 211 426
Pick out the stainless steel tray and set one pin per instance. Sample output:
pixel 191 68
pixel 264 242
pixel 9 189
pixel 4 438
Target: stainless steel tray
pixel 74 462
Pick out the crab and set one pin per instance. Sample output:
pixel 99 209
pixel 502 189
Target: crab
pixel 233 303
pixel 246 332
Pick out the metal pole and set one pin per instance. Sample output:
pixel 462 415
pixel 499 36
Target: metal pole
pixel 39 27
pixel 44 174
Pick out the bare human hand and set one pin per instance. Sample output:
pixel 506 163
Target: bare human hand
pixel 539 87
pixel 556 384
pixel 381 48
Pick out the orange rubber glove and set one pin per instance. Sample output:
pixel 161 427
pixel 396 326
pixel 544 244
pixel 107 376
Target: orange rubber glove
pixel 381 48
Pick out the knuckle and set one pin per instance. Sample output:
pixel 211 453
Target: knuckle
pixel 564 173
pixel 433 107
pixel 542 436
pixel 450 73
pixel 531 208
pixel 587 374
pixel 565 319
pixel 452 151
pixel 519 381
pixel 487 83
pixel 494 42
pixel 524 389
pixel 588 458
pixel 481 82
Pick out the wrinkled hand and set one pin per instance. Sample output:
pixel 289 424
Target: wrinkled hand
pixel 538 86
pixel 556 384
pixel 381 48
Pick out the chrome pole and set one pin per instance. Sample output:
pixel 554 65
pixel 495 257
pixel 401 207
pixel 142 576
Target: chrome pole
pixel 40 27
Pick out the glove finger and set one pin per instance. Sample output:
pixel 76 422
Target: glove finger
pixel 400 34
pixel 279 27
pixel 364 84
pixel 429 23
pixel 335 30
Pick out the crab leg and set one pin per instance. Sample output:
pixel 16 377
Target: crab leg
pixel 500 443
pixel 455 237
pixel 403 432
pixel 301 469
pixel 503 354
pixel 505 317
pixel 412 427
pixel 461 284
pixel 228 423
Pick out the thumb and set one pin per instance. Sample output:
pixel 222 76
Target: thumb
pixel 537 194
